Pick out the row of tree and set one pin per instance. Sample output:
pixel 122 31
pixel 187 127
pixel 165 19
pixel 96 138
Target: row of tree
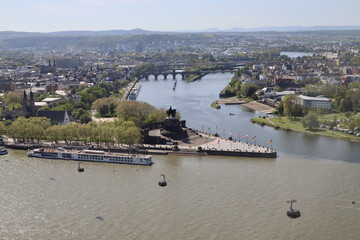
pixel 36 129
pixel 125 128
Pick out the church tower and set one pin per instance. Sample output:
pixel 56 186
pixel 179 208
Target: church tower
pixel 24 100
pixel 31 99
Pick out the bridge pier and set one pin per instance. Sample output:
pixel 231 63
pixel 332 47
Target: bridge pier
pixel 156 77
pixel 174 76
pixel 165 76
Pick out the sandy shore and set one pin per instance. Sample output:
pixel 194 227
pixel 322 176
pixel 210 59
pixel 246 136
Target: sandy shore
pixel 230 101
pixel 260 107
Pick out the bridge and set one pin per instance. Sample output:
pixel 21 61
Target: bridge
pixel 163 70
pixel 173 74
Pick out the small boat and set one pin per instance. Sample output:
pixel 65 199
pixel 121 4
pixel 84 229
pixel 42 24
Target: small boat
pixel 231 114
pixel 162 183
pixel 293 213
pixel 80 169
pixel 3 151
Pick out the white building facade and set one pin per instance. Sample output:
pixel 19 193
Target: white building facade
pixel 315 102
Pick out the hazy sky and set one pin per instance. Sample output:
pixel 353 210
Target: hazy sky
pixel 166 15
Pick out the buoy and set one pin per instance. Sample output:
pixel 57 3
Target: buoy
pixel 162 183
pixel 80 169
pixel 293 213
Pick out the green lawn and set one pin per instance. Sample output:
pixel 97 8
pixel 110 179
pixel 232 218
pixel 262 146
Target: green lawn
pixel 296 125
pixel 329 117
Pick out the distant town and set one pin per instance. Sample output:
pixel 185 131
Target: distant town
pixel 309 79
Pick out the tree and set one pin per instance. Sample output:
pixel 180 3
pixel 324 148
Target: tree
pixel 140 110
pixel 292 106
pixel 310 121
pixel 104 110
pixel 85 118
pixel 12 97
pixel 2 128
pixel 280 108
pixel 53 133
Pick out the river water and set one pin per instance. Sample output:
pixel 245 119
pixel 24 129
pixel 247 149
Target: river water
pixel 297 54
pixel 206 197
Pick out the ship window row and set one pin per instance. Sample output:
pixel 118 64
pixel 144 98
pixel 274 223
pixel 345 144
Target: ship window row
pixel 49 154
pixel 91 157
pixel 66 155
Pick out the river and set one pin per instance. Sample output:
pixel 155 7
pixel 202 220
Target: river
pixel 206 197
pixel 297 54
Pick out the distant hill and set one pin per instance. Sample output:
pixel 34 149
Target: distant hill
pixel 290 29
pixel 136 31
pixel 112 39
pixel 10 34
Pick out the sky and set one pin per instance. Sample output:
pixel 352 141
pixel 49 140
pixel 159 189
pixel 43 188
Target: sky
pixel 172 15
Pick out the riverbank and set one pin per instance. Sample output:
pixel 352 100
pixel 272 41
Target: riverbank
pixel 254 105
pixel 194 77
pixel 215 104
pixel 260 107
pixel 197 144
pixel 283 123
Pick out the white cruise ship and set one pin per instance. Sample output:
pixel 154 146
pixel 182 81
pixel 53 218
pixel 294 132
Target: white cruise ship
pixel 90 156
pixel 135 91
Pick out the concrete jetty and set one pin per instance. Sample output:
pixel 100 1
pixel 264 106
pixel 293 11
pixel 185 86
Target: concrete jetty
pixel 200 143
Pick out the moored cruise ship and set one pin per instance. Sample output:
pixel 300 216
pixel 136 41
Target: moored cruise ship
pixel 135 91
pixel 90 156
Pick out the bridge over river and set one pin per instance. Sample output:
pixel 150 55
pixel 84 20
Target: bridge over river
pixel 174 70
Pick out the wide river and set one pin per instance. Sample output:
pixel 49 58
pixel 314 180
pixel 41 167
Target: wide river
pixel 206 197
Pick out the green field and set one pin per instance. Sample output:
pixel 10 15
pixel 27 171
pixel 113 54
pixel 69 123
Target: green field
pixel 295 125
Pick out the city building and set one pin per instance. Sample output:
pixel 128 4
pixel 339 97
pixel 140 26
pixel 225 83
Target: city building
pixel 315 102
pixel 61 117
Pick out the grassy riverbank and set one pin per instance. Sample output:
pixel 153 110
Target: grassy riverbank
pixel 215 105
pixel 194 77
pixel 284 123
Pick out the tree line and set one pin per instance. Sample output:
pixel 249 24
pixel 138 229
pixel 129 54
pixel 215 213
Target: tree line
pixel 125 128
pixel 35 129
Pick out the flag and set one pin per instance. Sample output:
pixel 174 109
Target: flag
pixel 218 141
pixel 270 141
pixel 254 138
pixel 246 136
